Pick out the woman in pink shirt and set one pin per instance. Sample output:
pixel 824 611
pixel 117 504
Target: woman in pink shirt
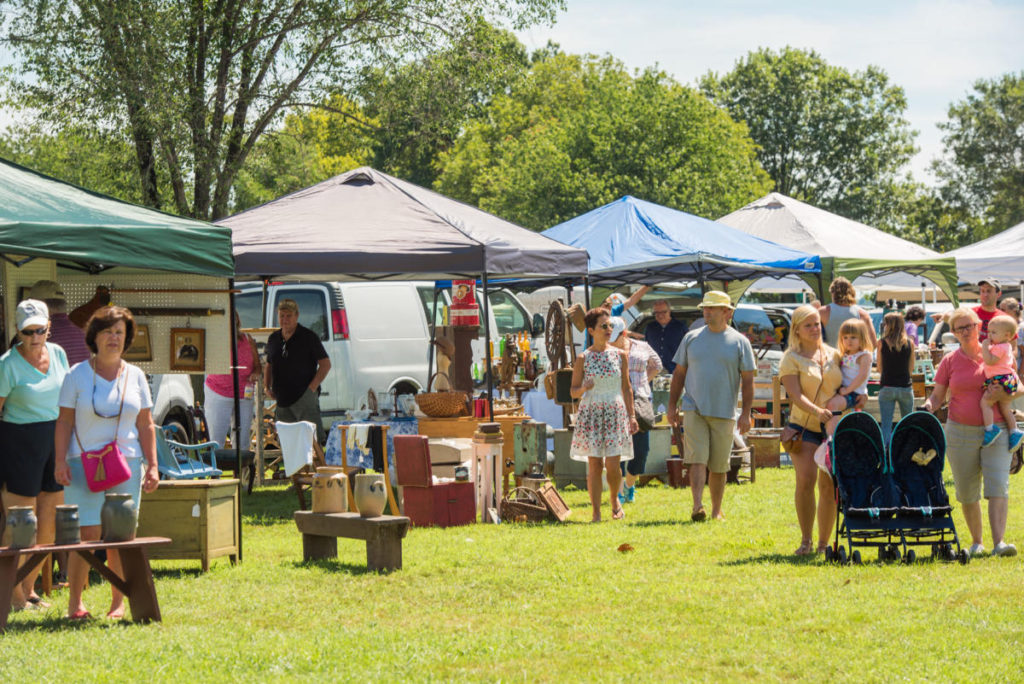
pixel 220 405
pixel 962 375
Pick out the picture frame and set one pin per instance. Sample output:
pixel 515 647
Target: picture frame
pixel 188 349
pixel 142 348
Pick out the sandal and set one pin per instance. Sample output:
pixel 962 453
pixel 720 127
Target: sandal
pixel 79 615
pixel 700 515
pixel 619 514
pixel 821 548
pixel 38 602
pixel 804 549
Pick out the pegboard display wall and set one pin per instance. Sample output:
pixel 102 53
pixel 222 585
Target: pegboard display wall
pixel 138 290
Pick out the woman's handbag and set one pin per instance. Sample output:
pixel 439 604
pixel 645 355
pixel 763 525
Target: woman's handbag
pixel 792 439
pixel 105 467
pixel 644 411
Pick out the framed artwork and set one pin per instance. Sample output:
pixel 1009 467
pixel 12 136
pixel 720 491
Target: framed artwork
pixel 188 349
pixel 141 349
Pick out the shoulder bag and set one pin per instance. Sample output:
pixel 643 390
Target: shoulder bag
pixel 105 467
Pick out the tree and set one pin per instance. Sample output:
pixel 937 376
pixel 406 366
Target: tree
pixel 829 137
pixel 981 172
pixel 577 132
pixel 421 107
pixel 197 83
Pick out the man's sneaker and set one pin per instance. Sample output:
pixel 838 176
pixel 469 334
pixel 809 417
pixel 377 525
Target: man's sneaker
pixel 630 494
pixel 1004 549
pixel 622 498
pixel 1015 438
pixel 991 432
pixel 975 550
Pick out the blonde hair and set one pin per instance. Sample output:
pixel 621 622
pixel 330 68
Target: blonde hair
pixel 800 314
pixel 842 292
pixel 854 326
pixel 962 312
pixel 1004 323
pixel 894 331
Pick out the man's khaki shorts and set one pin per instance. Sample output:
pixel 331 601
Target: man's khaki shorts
pixel 707 440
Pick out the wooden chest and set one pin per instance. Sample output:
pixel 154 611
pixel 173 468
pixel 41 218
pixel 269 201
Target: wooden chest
pixel 199 516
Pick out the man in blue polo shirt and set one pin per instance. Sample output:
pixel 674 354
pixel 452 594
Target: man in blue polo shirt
pixel 665 334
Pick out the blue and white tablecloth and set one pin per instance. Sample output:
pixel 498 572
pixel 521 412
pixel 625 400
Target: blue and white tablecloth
pixel 364 457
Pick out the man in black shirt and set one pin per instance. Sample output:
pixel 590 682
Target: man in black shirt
pixel 296 365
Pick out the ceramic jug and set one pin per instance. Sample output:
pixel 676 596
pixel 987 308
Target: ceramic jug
pixel 370 494
pixel 68 531
pixel 118 517
pixel 21 526
pixel 330 494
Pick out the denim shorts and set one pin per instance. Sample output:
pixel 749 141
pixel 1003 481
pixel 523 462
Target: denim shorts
pixel 851 400
pixel 808 435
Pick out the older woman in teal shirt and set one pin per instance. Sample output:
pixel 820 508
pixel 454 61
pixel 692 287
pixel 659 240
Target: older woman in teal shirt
pixel 31 375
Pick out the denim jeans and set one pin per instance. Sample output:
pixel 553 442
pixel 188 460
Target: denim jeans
pixel 888 397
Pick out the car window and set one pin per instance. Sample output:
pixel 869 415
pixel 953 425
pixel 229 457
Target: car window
pixel 755 324
pixel 312 308
pixel 509 316
pixel 249 308
pixel 427 299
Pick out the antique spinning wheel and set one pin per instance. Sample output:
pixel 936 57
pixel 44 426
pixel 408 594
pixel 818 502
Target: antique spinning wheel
pixel 555 325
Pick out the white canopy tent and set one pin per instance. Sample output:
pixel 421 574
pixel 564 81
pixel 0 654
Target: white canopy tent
pixel 1000 256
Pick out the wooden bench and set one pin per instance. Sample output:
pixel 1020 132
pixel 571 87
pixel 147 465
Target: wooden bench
pixel 137 583
pixel 383 535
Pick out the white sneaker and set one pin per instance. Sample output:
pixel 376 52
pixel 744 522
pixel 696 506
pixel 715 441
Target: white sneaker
pixel 1004 549
pixel 975 550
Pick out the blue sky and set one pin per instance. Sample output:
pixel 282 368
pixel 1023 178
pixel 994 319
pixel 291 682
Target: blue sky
pixel 935 49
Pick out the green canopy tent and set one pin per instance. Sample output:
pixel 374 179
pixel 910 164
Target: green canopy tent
pixel 847 248
pixel 44 217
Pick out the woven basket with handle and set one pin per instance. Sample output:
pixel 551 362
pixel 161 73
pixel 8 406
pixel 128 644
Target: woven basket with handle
pixel 523 505
pixel 443 404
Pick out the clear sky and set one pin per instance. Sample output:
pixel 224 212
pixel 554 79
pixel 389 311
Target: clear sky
pixel 934 49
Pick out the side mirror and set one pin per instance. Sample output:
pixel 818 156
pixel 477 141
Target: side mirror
pixel 538 325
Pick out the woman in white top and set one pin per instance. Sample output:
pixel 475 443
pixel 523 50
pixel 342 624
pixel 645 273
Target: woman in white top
pixel 102 400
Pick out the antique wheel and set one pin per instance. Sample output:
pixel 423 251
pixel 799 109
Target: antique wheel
pixel 554 328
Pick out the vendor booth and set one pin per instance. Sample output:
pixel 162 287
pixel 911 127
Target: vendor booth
pixel 1000 256
pixel 847 248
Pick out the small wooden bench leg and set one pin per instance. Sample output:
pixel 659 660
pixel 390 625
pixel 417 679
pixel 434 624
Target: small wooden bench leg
pixel 8 571
pixel 141 591
pixel 316 547
pixel 384 551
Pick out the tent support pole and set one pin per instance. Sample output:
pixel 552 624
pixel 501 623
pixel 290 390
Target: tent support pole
pixel 485 303
pixel 235 439
pixel 433 334
pixel 586 308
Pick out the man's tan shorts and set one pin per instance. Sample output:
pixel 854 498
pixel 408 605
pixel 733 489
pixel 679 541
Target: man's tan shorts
pixel 707 440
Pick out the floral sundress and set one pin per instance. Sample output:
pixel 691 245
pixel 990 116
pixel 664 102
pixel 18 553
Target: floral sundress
pixel 602 424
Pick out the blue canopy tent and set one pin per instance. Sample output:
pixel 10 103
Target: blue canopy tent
pixel 633 241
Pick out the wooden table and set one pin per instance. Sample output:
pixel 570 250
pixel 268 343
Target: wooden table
pixel 137 583
pixel 383 535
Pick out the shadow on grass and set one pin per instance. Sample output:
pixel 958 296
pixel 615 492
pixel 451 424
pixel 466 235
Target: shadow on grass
pixel 269 504
pixel 787 558
pixel 59 623
pixel 177 573
pixel 335 566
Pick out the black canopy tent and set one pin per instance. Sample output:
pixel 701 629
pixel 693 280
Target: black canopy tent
pixel 367 225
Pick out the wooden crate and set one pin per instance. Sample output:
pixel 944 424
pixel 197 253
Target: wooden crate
pixel 765 446
pixel 199 516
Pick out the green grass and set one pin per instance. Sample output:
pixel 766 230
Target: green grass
pixel 706 602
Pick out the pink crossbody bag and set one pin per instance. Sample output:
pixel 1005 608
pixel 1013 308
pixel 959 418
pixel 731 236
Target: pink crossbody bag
pixel 105 467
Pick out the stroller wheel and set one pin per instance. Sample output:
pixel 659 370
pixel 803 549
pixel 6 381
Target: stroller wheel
pixel 842 555
pixel 964 557
pixel 947 552
pixel 936 553
pixel 910 557
pixel 894 553
pixel 829 555
pixel 856 557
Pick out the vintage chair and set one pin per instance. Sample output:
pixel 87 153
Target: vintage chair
pixel 426 503
pixel 178 461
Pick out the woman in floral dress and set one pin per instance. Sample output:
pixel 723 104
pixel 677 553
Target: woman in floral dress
pixel 605 419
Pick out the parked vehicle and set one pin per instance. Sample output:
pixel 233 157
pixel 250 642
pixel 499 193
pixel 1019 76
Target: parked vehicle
pixel 375 334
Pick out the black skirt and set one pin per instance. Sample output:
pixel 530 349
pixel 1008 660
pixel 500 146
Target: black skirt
pixel 27 458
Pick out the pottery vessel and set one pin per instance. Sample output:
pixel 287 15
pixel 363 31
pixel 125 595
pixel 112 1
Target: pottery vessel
pixel 330 495
pixel 118 518
pixel 68 531
pixel 21 526
pixel 370 495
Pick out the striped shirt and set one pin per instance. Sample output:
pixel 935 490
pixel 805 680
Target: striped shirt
pixel 642 359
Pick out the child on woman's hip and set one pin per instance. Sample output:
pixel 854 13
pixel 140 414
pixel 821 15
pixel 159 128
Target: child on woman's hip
pixel 1001 382
pixel 855 347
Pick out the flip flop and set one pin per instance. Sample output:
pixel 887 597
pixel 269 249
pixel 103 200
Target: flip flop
pixel 699 516
pixel 805 549
pixel 619 514
pixel 79 615
pixel 38 602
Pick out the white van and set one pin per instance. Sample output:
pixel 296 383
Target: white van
pixel 375 334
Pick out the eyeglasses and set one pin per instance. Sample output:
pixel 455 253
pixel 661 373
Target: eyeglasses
pixel 284 349
pixel 605 326
pixel 965 328
pixel 659 313
pixel 34 331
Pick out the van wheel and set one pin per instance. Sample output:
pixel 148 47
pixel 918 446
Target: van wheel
pixel 406 388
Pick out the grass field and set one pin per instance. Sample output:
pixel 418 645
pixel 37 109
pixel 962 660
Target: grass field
pixel 713 601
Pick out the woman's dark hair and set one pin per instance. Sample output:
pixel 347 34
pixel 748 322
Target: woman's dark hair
pixel 914 313
pixel 107 317
pixel 593 316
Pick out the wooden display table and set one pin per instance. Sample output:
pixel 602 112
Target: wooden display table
pixel 136 584
pixel 465 427
pixel 383 535
pixel 200 517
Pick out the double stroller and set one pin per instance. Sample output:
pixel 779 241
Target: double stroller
pixel 895 499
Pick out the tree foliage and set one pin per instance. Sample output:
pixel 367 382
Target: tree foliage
pixel 981 173
pixel 577 132
pixel 196 84
pixel 830 137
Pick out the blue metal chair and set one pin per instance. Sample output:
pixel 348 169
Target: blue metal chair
pixel 178 461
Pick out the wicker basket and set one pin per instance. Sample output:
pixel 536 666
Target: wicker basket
pixel 443 404
pixel 523 505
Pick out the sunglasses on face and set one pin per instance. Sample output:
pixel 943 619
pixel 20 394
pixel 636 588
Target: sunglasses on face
pixel 605 326
pixel 33 331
